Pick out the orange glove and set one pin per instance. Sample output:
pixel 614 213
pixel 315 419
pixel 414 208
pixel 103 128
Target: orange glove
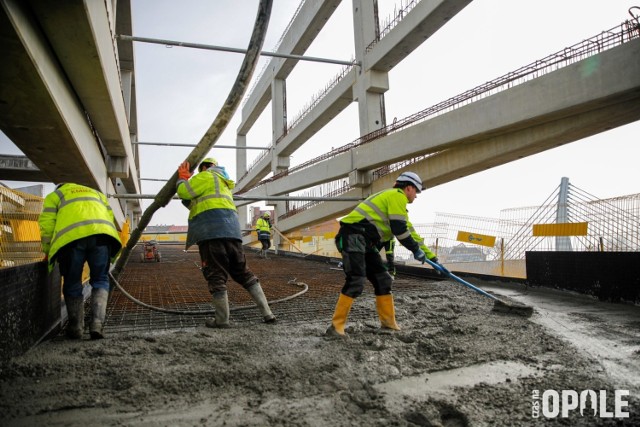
pixel 183 171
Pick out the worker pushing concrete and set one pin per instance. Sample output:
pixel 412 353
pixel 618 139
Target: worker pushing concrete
pixel 215 228
pixel 78 226
pixel 362 233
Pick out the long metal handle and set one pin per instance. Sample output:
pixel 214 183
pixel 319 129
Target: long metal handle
pixel 464 282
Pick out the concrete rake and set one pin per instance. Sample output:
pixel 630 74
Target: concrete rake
pixel 498 304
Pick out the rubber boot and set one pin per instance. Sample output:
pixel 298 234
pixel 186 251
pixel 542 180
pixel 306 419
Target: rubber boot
pixel 75 311
pixel 221 304
pixel 387 312
pixel 99 298
pixel 261 301
pixel 339 320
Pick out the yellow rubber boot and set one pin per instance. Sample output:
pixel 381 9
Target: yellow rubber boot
pixel 340 315
pixel 387 311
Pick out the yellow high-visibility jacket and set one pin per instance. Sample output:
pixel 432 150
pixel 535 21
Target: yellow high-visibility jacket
pixel 263 225
pixel 206 190
pixel 387 211
pixel 72 212
pixel 212 213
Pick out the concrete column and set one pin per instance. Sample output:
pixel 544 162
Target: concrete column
pixel 127 76
pixel 278 108
pixel 370 85
pixel 241 156
pixel 278 121
pixel 563 243
pixel 241 169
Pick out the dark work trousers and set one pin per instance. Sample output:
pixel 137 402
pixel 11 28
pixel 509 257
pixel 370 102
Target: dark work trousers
pixel 93 250
pixel 389 247
pixel 266 244
pixel 222 258
pixel 361 259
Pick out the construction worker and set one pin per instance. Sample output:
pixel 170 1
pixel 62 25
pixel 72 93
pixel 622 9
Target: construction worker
pixel 77 226
pixel 362 232
pixel 215 228
pixel 263 228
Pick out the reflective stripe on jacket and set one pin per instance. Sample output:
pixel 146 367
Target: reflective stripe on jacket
pixel 212 213
pixel 72 212
pixel 206 190
pixel 415 236
pixel 380 209
pixel 262 225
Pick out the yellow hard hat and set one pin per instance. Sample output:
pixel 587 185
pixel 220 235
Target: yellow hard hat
pixel 266 214
pixel 209 161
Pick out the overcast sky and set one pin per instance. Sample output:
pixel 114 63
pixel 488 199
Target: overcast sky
pixel 180 90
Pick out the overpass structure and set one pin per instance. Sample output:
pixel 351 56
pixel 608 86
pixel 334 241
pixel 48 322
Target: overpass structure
pixel 67 97
pixel 589 88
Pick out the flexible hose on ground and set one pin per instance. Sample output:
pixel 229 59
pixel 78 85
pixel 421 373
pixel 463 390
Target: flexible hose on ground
pixel 193 313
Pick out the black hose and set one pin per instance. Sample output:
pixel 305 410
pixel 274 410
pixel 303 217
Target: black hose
pixel 194 313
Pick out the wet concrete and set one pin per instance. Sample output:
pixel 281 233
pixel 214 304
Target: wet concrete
pixel 607 332
pixel 455 362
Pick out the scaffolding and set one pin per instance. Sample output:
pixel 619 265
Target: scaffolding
pixel 609 225
pixel 19 231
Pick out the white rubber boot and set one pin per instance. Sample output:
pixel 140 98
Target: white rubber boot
pixel 221 304
pixel 75 312
pixel 99 298
pixel 261 301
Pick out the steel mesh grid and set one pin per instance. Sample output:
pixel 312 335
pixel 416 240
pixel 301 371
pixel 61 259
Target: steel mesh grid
pixel 177 283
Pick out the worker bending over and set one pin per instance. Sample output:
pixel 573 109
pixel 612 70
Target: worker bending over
pixel 362 233
pixel 77 226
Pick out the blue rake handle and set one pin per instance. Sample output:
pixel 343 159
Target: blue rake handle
pixel 464 282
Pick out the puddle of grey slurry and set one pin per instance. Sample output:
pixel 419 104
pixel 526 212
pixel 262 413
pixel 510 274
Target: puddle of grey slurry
pixel 442 383
pixel 610 333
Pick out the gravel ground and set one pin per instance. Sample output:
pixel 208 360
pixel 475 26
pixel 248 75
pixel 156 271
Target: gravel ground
pixel 454 363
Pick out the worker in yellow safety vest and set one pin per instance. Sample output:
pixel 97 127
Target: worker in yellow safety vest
pixel 77 225
pixel 362 233
pixel 263 228
pixel 215 228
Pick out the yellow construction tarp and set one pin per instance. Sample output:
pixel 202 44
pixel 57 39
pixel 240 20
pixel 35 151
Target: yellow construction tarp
pixel 477 239
pixel 561 229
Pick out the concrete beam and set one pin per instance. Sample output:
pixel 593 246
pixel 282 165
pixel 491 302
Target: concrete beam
pixel 332 103
pixel 305 27
pixel 20 168
pixel 427 17
pixel 531 118
pixel 39 109
pixel 90 63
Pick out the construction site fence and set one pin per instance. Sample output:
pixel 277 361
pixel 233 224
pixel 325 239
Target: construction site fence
pixel 20 240
pixel 19 230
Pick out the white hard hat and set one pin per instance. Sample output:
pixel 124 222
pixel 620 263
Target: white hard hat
pixel 411 178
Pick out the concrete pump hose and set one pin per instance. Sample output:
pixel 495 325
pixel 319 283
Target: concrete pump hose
pixel 304 287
